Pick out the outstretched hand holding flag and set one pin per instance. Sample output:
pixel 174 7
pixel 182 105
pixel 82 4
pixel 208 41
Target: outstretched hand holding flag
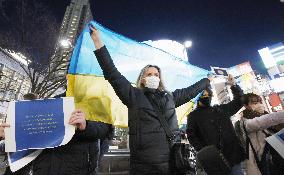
pixel 95 96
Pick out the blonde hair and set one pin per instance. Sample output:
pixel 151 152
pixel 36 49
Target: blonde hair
pixel 139 84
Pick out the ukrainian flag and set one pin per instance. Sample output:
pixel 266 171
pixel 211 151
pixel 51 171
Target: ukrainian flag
pixel 95 96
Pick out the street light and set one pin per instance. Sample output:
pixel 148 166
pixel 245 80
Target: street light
pixel 186 44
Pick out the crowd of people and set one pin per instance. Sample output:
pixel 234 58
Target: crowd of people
pixel 221 148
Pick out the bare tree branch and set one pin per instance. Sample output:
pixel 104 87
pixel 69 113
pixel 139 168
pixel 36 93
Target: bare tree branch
pixel 33 31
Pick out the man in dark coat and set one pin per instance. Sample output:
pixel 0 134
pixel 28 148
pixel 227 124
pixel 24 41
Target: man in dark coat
pixel 149 145
pixel 78 156
pixel 209 125
pixel 74 158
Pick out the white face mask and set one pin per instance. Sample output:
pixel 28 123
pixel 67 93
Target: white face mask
pixel 152 82
pixel 258 108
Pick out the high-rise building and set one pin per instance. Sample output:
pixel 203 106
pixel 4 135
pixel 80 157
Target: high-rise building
pixel 14 82
pixel 76 16
pixel 273 59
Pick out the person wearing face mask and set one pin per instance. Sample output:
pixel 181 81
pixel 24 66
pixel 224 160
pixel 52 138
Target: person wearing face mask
pixel 149 144
pixel 211 125
pixel 252 130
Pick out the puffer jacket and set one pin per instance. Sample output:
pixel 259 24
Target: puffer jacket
pixel 256 129
pixel 149 146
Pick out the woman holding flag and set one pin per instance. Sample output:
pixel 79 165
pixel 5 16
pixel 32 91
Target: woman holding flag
pixel 149 144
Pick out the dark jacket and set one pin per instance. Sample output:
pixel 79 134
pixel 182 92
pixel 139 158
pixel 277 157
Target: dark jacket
pixel 74 158
pixel 149 146
pixel 212 126
pixel 78 157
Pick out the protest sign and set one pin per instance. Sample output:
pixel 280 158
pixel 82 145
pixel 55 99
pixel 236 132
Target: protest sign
pixel 277 142
pixel 39 124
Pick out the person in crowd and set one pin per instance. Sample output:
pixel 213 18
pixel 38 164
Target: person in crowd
pixel 149 145
pixel 252 130
pixel 26 170
pixel 211 125
pixel 76 157
pixel 29 96
pixel 3 155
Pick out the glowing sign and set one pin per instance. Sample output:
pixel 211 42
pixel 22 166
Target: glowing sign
pixel 267 57
pixel 277 84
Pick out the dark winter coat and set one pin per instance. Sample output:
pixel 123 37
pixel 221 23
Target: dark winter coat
pixel 212 126
pixel 149 146
pixel 74 158
pixel 78 157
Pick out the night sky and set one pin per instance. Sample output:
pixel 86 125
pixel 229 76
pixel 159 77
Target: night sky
pixel 224 32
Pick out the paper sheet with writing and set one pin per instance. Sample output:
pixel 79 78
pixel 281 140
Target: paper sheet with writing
pixel 277 142
pixel 39 124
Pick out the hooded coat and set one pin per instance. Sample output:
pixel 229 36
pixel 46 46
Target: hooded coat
pixel 149 145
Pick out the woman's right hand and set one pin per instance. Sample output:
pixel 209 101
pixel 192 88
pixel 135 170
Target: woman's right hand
pixel 95 35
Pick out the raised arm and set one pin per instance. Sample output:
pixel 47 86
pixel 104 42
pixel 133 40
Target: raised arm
pixel 264 121
pixel 235 105
pixel 120 84
pixel 182 96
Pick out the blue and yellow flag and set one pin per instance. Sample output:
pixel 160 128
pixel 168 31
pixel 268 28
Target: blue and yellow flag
pixel 95 96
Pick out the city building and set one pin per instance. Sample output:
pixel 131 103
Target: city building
pixel 273 59
pixel 76 16
pixel 14 81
